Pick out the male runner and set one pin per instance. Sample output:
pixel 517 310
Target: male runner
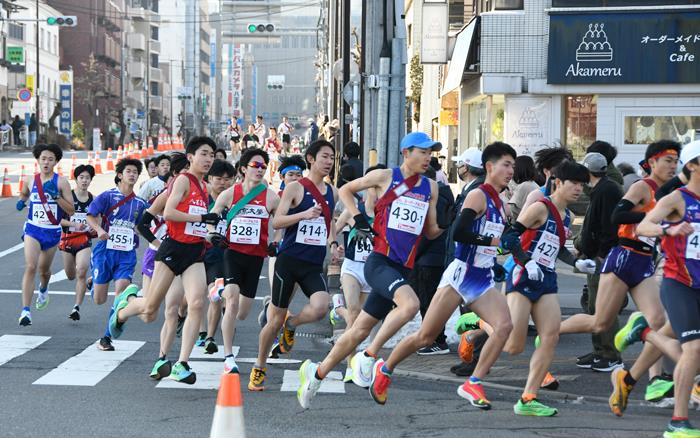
pixel 181 254
pixel 536 240
pixel 468 278
pixel 114 215
pixel 50 201
pixel 285 130
pixel 76 238
pixel 404 212
pixel 305 211
pixel 249 205
pixel 273 149
pixel 680 287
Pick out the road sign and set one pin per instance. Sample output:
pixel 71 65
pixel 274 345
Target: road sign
pixel 15 54
pixel 24 94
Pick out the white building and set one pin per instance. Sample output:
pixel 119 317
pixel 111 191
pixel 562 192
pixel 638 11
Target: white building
pixel 172 58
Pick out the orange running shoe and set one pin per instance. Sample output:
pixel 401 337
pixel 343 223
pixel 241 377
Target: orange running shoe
pixel 379 388
pixel 550 382
pixel 621 391
pixel 466 348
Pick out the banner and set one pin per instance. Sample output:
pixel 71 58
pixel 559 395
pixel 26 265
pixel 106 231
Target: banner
pixel 236 81
pixel 528 124
pixel 65 89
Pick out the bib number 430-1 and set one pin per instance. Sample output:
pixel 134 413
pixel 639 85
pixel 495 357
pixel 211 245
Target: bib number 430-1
pixel 408 215
pixel 692 246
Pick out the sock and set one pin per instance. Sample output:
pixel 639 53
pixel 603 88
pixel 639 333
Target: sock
pixel 645 332
pixel 481 324
pixel 386 369
pixel 474 380
pixel 318 375
pixel 228 355
pixel 76 307
pixel 26 309
pixel 629 380
pixel 202 334
pixel 675 419
pixel 368 354
pixel 43 289
pixel 162 357
pixel 528 397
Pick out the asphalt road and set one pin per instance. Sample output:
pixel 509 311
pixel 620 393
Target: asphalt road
pixel 38 401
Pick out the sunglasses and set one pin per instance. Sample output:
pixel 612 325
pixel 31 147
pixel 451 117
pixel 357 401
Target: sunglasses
pixel 257 165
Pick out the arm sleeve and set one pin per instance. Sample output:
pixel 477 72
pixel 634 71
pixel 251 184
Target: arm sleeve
pixel 511 242
pixel 566 256
pixel 463 230
pixel 667 188
pixel 144 226
pixel 623 214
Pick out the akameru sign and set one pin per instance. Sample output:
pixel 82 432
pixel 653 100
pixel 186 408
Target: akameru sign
pixel 624 48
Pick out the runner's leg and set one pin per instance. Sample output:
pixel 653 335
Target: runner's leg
pixel 228 322
pixel 348 342
pixel 492 307
pixel 407 305
pixel 546 314
pixel 44 266
pixel 69 264
pixel 147 308
pixel 520 308
pixel 82 264
pixel 176 294
pixel 195 284
pixel 32 251
pixel 607 306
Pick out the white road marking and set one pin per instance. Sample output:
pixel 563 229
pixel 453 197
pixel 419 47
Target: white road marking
pixel 12 346
pixel 51 292
pixel 11 250
pixel 90 366
pixel 333 383
pixel 269 360
pixel 208 376
pixel 58 276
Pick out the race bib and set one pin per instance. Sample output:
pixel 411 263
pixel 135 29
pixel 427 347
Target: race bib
pixel 651 241
pixel 39 216
pixel 485 254
pixel 120 238
pixel 197 229
pixel 245 230
pixel 312 232
pixel 408 215
pixel 692 244
pixel 363 250
pixel 78 218
pixel 251 144
pixel 547 250
pixel 221 227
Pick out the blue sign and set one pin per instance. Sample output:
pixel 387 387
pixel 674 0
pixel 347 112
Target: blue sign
pixel 212 59
pixel 624 48
pixel 65 121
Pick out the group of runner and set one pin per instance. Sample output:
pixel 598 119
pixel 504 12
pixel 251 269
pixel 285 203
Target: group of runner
pixel 210 228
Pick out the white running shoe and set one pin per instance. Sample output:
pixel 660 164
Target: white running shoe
pixel 216 290
pixel 42 299
pixel 348 375
pixel 309 384
pixel 362 369
pixel 230 365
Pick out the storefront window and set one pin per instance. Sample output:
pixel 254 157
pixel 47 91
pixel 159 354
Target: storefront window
pixel 651 128
pixel 478 125
pixel 497 117
pixel 581 112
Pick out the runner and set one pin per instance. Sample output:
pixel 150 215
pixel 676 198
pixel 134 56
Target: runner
pixel 260 128
pixel 285 130
pixel 50 201
pixel 233 133
pixel 220 154
pixel 537 241
pixel 251 139
pixel 273 149
pixel 630 266
pixel 76 238
pixel 680 287
pixel 114 215
pixel 468 278
pixel 249 205
pixel 404 213
pixel 305 212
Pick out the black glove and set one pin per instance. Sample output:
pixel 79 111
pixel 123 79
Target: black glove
pixel 217 240
pixel 362 229
pixel 499 273
pixel 210 219
pixel 272 249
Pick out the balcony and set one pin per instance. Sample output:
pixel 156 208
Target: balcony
pixel 136 70
pixel 138 96
pixel 136 13
pixel 155 46
pixel 137 41
pixel 108 49
pixel 155 102
pixel 156 75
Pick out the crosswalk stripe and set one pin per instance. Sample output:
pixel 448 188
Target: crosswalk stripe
pixel 90 366
pixel 208 376
pixel 333 383
pixel 12 346
pixel 58 276
pixel 11 250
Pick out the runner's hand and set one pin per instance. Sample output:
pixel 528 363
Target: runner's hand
pixel 210 219
pixel 586 266
pixel 272 248
pixel 313 212
pixel 534 272
pixel 217 240
pixel 682 229
pixel 21 204
pixel 51 190
pixel 499 273
pixel 102 234
pixel 363 229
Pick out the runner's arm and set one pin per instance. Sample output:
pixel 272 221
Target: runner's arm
pixel 431 229
pixel 474 206
pixel 668 207
pixel 375 179
pixel 531 198
pixel 293 192
pixel 635 196
pixel 65 200
pixel 177 193
pixel 344 219
pixel 96 224
pixel 671 185
pixel 532 217
pixel 144 227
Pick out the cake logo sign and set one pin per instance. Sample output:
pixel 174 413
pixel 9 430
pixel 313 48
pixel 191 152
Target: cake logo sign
pixel 594 47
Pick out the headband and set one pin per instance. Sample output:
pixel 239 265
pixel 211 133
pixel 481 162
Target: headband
pixel 664 152
pixel 288 168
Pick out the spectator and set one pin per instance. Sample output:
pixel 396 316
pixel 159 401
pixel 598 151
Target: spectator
pixel 524 178
pixel 16 129
pixel 352 165
pixel 312 132
pixel 609 152
pixel 33 128
pixel 439 173
pixel 629 176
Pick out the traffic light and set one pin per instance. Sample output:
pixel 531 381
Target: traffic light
pixel 261 28
pixel 63 20
pixel 275 86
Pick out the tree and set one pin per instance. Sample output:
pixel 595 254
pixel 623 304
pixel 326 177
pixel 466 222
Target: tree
pixel 78 131
pixel 91 86
pixel 416 78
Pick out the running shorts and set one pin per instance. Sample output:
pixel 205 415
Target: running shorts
pixel 355 270
pixel 682 304
pixel 533 289
pixel 242 270
pixel 180 256
pixel 470 282
pixel 73 243
pixel 629 266
pixel 286 138
pixel 384 277
pixel 47 237
pixel 290 271
pixel 110 264
pixel 148 262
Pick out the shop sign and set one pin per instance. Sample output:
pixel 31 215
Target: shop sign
pixel 528 123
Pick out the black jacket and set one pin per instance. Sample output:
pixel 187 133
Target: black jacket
pixel 350 170
pixel 599 234
pixel 432 252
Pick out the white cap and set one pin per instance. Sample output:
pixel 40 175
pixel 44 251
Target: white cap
pixel 470 157
pixel 690 151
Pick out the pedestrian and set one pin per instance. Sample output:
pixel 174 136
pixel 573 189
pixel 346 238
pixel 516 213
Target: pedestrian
pixel 351 169
pixel 16 129
pixel 311 132
pixel 50 200
pixel 413 197
pixel 440 176
pixel 629 176
pixel 220 154
pixel 33 129
pixel 524 179
pixel 610 153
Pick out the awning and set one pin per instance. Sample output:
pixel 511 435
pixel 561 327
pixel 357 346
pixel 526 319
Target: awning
pixel 464 46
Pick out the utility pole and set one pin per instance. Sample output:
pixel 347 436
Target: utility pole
pixel 36 78
pixel 345 46
pixel 148 84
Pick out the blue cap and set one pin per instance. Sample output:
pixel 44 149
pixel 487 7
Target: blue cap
pixel 420 140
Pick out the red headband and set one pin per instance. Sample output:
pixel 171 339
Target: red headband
pixel 664 152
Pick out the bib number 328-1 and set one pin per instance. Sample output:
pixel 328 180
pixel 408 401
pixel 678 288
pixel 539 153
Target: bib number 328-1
pixel 312 232
pixel 245 230
pixel 408 215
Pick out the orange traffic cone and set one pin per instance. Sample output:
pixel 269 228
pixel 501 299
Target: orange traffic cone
pixel 21 180
pixel 98 165
pixel 119 154
pixel 110 163
pixel 151 150
pixel 72 167
pixel 90 159
pixel 228 414
pixel 7 190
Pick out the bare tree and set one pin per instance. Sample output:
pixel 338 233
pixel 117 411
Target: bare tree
pixel 91 86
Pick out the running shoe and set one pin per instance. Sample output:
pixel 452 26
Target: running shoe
pixel 309 384
pixel 695 395
pixel 466 322
pixel 262 316
pixel 466 348
pixel 550 382
pixel 257 379
pixel 210 346
pixel 287 337
pixel 379 386
pixel 348 375
pixel 632 331
pixel 230 366
pixel 681 429
pixel 659 388
pixel 603 365
pixel 534 408
pixel 161 369
pixel 585 361
pixel 276 349
pixel 105 344
pixel 474 393
pixel 201 339
pixel 334 317
pixel 25 318
pixel 361 365
pixel 121 301
pixel 434 350
pixel 180 324
pixel 464 369
pixel 182 373
pixel 74 314
pixel 537 341
pixel 621 391
pixel 42 299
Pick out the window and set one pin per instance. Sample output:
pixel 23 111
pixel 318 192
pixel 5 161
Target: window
pixel 154 60
pixel 646 129
pixel 154 5
pixel 498 5
pixel 154 89
pixel 580 122
pixel 16 31
pixel 55 44
pixel 204 57
pixel 42 42
pixel 154 33
pixel 609 3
